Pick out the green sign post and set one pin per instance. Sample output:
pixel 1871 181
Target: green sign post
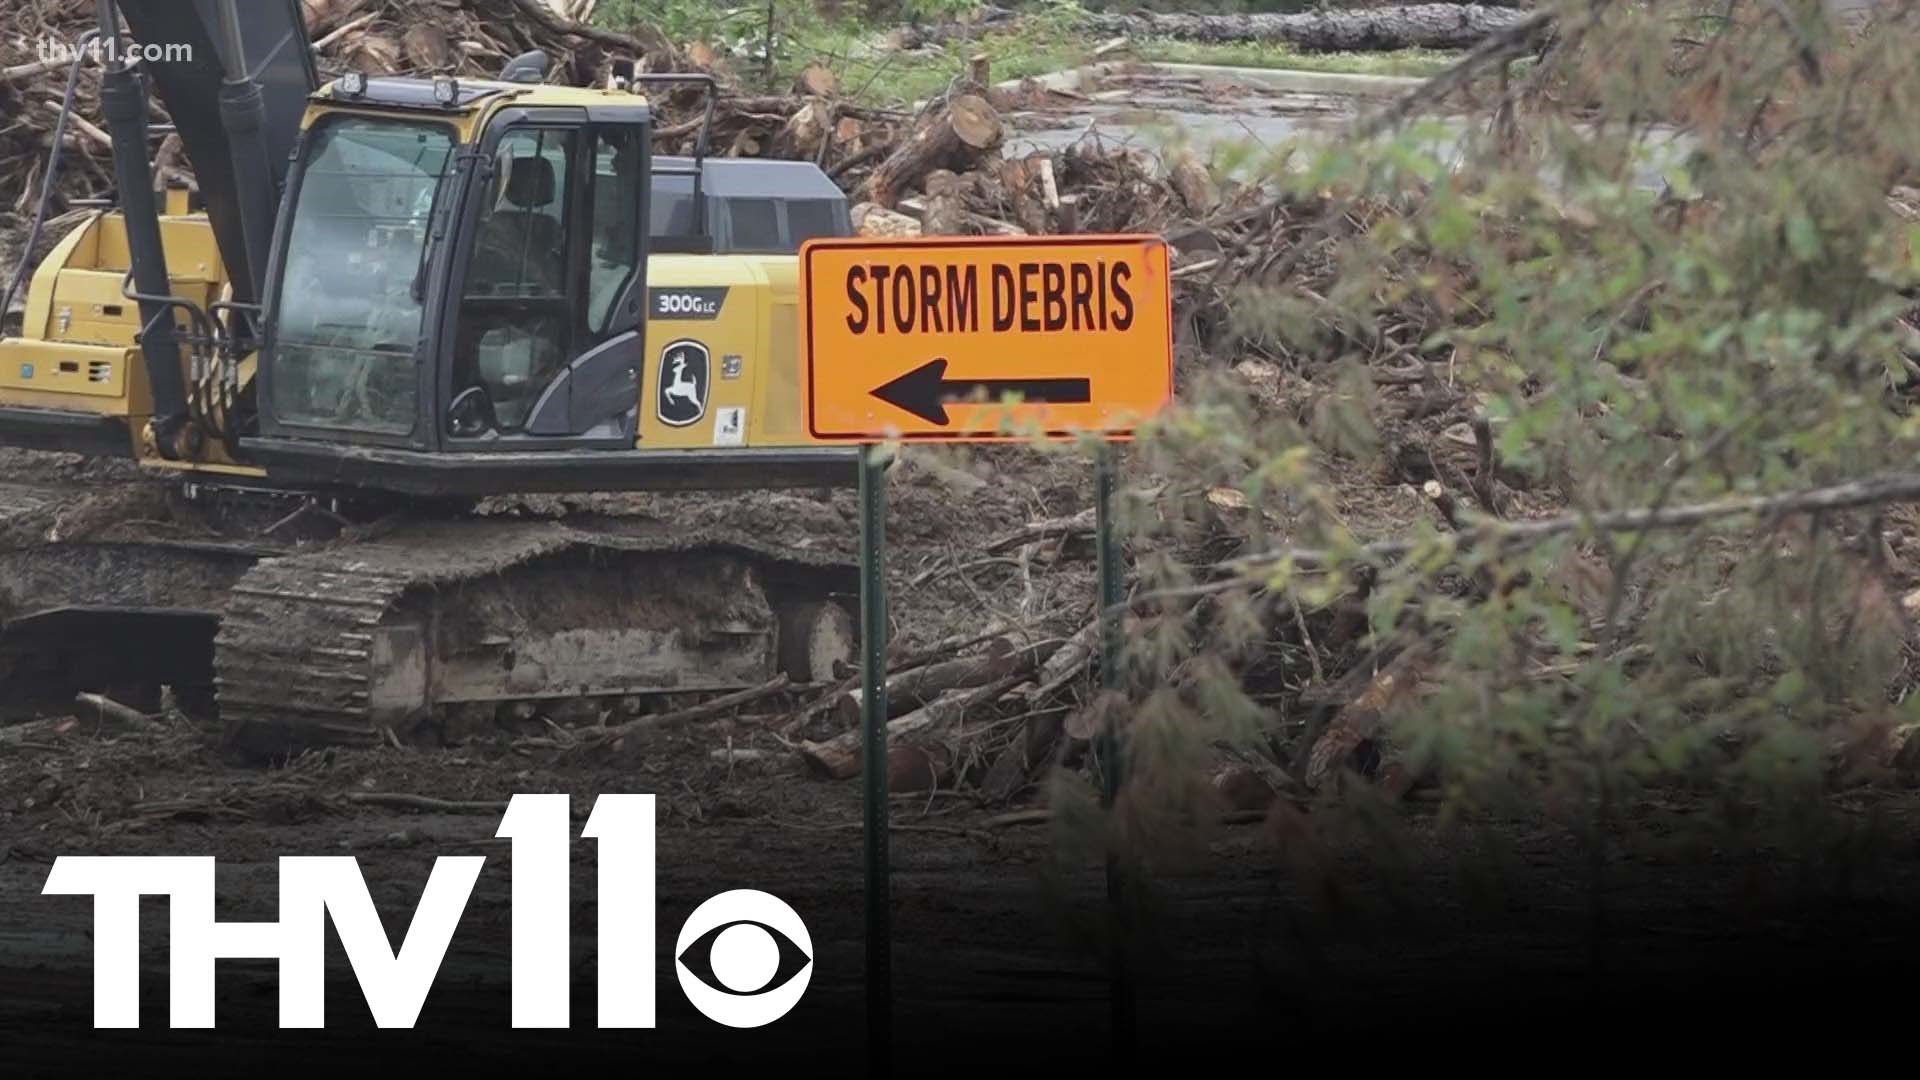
pixel 1066 335
pixel 1110 749
pixel 873 751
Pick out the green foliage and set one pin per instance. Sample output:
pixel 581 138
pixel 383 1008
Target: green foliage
pixel 1046 39
pixel 684 20
pixel 936 9
pixel 1688 287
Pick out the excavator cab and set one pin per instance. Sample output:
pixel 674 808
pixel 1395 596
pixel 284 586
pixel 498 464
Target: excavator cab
pixel 445 285
pixel 405 287
pixel 404 294
pixel 468 295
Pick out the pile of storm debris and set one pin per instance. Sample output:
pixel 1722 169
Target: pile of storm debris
pixel 987 707
pixel 885 157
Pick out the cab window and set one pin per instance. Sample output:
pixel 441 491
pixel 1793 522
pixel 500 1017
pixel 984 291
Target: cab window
pixel 811 218
pixel 615 257
pixel 516 317
pixel 756 225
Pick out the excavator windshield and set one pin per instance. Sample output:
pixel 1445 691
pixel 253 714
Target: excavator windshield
pixel 350 292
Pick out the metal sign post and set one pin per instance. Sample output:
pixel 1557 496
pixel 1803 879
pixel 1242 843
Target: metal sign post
pixel 969 340
pixel 1112 748
pixel 873 753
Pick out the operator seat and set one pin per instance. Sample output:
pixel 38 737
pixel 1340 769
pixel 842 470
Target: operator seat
pixel 519 250
pixel 514 326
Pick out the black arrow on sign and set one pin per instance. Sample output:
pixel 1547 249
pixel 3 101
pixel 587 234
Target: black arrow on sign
pixel 925 390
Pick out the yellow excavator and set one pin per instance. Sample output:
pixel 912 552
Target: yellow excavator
pixel 382 302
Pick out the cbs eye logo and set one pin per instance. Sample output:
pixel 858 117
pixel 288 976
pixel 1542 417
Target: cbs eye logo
pixel 744 958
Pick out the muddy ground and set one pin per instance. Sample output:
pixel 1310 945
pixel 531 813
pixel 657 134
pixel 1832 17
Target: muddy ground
pixel 993 930
pixel 997 920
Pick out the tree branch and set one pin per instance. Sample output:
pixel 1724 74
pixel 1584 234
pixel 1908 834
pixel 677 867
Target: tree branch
pixel 1512 536
pixel 548 18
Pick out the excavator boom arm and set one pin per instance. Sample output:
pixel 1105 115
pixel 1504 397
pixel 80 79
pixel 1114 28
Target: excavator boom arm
pixel 236 105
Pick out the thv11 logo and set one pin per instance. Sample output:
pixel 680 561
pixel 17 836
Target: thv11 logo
pixel 743 958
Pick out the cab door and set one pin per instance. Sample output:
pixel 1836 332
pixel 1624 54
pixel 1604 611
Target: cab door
pixel 542 335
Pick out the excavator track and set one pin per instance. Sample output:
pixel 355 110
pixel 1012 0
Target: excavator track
pixel 390 638
pixel 99 591
pixel 416 627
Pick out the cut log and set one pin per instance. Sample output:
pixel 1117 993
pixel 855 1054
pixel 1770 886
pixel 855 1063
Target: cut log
pixel 917 768
pixel 992 226
pixel 1069 216
pixel 816 641
pixel 1079 525
pixel 805 132
pixel 817 80
pixel 319 13
pixel 956 138
pixel 1242 788
pixel 427 49
pixel 871 220
pixel 1352 739
pixel 1019 185
pixel 93 714
pixel 32 69
pixel 857 158
pixel 1409 26
pixel 375 54
pixel 1195 185
pixel 901 657
pixel 1049 184
pixel 746 144
pixel 977 223
pixel 839 757
pixel 109 713
pixel 916 687
pixel 1068 664
pixel 946 214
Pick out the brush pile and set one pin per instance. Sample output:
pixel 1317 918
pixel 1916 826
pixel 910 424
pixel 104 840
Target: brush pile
pixel 989 709
pixel 472 38
pixel 938 169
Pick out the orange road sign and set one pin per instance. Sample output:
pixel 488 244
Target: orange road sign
pixel 985 339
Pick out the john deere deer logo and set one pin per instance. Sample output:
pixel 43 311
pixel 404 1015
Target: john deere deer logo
pixel 682 394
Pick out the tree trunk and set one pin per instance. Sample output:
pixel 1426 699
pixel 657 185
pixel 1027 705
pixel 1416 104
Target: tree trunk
pixel 1425 26
pixel 955 138
pixel 916 687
